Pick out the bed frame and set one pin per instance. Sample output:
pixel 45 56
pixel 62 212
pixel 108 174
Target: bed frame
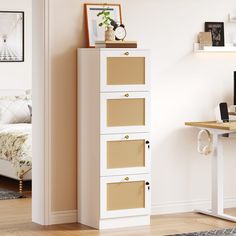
pixel 6 168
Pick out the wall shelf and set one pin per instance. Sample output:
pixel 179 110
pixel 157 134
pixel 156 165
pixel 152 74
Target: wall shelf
pixel 225 49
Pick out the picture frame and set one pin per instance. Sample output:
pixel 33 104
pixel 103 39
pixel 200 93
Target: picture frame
pixel 217 32
pixel 93 31
pixel 12 36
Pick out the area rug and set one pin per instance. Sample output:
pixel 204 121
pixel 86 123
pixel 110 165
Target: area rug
pixel 223 232
pixel 8 194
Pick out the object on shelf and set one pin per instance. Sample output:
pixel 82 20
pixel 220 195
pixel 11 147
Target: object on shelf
pixel 232 110
pixel 232 17
pixel 205 39
pixel 116 44
pixel 217 31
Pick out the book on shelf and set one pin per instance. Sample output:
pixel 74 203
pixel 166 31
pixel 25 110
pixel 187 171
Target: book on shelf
pixel 116 44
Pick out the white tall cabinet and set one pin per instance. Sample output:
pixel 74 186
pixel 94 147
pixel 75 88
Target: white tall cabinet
pixel 114 149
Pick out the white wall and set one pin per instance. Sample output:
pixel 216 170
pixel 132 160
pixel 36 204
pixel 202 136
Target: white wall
pixel 17 75
pixel 185 87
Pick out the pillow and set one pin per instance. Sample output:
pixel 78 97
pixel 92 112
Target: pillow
pixel 14 109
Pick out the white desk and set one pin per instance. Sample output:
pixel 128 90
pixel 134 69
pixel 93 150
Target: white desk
pixel 217 198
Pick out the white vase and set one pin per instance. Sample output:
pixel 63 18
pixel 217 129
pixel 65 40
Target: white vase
pixel 109 33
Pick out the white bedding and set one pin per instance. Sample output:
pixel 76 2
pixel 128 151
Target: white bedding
pixel 16 146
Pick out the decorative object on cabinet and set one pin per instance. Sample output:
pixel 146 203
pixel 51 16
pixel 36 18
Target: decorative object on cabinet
pixel 107 21
pixel 94 32
pixel 205 39
pixel 109 33
pixel 12 36
pixel 114 181
pixel 116 44
pixel 120 32
pixel 105 16
pixel 217 32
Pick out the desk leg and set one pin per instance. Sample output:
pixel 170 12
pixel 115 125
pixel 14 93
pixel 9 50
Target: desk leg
pixel 217 197
pixel 217 176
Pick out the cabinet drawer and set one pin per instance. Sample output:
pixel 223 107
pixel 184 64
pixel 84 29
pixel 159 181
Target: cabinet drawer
pixel 125 70
pixel 125 196
pixel 125 112
pixel 125 154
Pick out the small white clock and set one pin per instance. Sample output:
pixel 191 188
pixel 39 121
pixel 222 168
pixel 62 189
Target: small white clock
pixel 120 32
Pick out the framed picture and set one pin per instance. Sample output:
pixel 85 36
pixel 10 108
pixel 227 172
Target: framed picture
pixel 94 31
pixel 217 32
pixel 11 36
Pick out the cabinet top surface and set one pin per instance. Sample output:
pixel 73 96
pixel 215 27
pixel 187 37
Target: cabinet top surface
pixel 113 49
pixel 231 126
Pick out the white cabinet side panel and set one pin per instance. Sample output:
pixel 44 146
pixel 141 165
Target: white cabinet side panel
pixel 88 136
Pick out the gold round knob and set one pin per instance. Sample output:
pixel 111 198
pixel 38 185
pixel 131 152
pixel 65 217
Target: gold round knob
pixel 126 178
pixel 127 95
pixel 126 136
pixel 126 53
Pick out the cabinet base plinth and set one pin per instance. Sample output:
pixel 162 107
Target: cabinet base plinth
pixel 124 222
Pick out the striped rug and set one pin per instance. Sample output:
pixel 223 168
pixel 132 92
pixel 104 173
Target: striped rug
pixel 223 232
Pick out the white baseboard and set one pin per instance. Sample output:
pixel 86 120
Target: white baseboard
pixel 63 217
pixel 188 206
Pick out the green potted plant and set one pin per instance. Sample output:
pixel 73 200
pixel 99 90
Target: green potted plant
pixel 108 23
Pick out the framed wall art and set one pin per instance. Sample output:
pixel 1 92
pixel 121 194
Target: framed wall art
pixel 94 31
pixel 217 32
pixel 11 36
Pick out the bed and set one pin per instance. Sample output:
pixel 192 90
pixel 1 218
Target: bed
pixel 16 138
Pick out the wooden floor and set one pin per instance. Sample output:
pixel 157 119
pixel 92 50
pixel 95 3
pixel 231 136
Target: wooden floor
pixel 15 219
